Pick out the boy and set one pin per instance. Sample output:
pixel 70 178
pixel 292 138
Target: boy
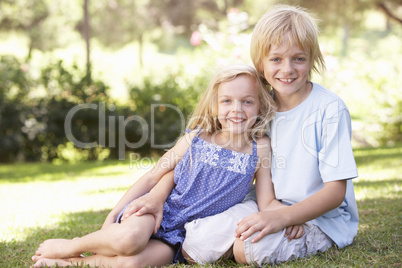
pixel 312 161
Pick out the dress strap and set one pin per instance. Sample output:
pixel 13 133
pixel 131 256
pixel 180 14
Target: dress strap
pixel 197 128
pixel 254 147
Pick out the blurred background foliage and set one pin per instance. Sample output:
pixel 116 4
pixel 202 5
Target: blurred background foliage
pixel 153 58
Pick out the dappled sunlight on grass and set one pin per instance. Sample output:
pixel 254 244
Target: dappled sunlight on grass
pixel 46 201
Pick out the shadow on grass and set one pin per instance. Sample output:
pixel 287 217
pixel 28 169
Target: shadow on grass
pixel 378 243
pixel 365 156
pixel 377 184
pixel 379 240
pixel 18 254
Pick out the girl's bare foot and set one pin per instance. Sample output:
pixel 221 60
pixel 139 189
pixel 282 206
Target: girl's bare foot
pixel 51 263
pixel 55 249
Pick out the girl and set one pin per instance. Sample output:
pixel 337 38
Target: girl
pixel 215 164
pixel 312 164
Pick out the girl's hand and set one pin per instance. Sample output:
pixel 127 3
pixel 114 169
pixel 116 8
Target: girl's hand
pixel 294 232
pixel 265 222
pixel 146 204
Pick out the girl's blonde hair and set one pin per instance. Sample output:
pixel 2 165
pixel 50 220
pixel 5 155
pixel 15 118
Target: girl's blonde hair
pixel 205 114
pixel 274 24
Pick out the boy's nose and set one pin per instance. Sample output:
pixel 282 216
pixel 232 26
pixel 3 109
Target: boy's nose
pixel 287 66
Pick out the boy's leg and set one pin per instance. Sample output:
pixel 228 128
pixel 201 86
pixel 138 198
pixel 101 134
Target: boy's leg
pixel 156 253
pixel 275 248
pixel 125 239
pixel 215 231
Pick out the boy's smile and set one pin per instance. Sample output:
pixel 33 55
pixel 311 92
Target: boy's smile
pixel 287 68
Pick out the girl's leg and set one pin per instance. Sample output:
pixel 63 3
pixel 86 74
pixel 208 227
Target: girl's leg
pixel 156 253
pixel 125 239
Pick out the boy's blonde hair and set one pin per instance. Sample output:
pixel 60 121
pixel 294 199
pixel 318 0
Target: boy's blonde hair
pixel 274 24
pixel 205 114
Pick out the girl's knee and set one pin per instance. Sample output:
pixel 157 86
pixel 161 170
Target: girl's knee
pixel 131 241
pixel 130 262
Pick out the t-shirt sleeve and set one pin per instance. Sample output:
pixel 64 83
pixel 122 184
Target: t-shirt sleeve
pixel 336 159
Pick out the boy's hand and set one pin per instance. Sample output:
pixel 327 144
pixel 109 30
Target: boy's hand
pixel 294 232
pixel 146 204
pixel 265 222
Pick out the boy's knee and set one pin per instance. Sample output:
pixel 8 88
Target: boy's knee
pixel 238 252
pixel 187 257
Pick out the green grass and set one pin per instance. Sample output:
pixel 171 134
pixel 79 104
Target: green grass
pixel 41 201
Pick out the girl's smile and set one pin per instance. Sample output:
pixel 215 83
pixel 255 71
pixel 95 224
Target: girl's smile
pixel 238 104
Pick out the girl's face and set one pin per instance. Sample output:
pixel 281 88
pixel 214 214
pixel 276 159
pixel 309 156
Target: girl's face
pixel 286 68
pixel 238 104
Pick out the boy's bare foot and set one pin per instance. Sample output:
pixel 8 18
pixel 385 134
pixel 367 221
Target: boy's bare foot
pixel 55 249
pixel 51 263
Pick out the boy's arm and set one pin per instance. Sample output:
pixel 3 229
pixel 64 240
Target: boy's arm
pixel 328 198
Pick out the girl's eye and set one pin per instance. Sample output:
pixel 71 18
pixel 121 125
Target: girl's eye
pixel 300 59
pixel 275 59
pixel 225 101
pixel 248 102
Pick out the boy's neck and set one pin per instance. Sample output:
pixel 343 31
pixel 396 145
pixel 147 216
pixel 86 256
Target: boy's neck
pixel 289 102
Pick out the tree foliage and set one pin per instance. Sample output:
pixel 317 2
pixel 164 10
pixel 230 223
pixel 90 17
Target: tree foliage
pixel 41 21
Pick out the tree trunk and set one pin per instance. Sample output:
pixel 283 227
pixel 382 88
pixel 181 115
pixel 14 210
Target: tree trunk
pixel 140 50
pixel 87 40
pixel 345 40
pixel 30 48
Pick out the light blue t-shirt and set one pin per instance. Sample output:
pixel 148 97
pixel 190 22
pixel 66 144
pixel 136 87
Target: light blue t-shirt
pixel 311 146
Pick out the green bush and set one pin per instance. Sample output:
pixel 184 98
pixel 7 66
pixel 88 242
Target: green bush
pixel 77 110
pixel 15 83
pixel 32 128
pixel 165 104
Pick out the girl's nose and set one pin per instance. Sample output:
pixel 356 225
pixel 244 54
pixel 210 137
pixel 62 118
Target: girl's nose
pixel 236 106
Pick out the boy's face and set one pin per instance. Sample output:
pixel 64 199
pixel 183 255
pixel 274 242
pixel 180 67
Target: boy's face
pixel 287 68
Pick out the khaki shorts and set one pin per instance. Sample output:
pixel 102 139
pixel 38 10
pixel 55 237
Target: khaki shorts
pixel 208 239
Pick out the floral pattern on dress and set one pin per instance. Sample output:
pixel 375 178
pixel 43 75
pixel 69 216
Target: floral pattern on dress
pixel 216 156
pixel 209 154
pixel 239 162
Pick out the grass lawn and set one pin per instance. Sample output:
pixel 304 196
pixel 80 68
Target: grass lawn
pixel 41 201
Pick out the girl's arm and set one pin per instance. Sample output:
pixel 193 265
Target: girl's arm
pixel 263 180
pixel 328 198
pixel 143 185
pixel 152 203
